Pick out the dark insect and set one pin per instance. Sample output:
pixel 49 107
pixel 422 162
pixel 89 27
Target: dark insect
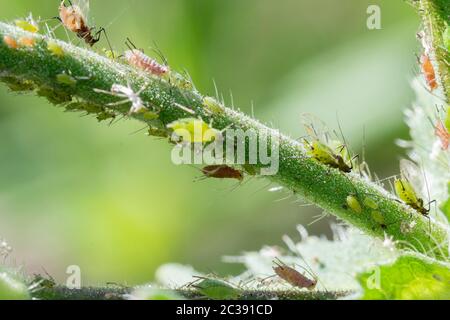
pixel 222 172
pixel 293 277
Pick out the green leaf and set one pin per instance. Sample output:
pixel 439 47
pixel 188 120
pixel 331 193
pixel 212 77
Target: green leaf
pixel 410 277
pixel 11 288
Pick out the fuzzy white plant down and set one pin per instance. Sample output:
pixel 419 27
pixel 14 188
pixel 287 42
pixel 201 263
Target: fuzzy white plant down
pixel 334 262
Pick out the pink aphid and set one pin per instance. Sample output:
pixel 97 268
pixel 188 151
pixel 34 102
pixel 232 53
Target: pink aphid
pixel 141 61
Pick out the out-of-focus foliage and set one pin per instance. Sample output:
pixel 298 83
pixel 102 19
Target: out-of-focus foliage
pixel 74 192
pixel 409 278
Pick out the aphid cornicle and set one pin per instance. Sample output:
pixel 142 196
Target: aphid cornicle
pixel 140 60
pixel 405 190
pixel 222 172
pixel 293 277
pixel 74 18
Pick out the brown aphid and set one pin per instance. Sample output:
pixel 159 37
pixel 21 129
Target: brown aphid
pixel 27 42
pixel 10 42
pixel 74 19
pixel 293 277
pixel 222 172
pixel 428 71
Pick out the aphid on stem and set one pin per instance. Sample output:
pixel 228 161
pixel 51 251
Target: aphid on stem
pixel 74 18
pixel 428 72
pixel 28 24
pixel 294 277
pixel 405 190
pixel 10 42
pixel 140 60
pixel 222 172
pixel 323 153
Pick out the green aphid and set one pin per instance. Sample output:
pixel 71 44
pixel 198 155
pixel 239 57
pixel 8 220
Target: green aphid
pixel 180 81
pixel 378 217
pixel 54 96
pixel 65 79
pixel 192 130
pixel 216 289
pixel 110 54
pixel 212 105
pixel 29 26
pixel 325 155
pixel 105 115
pixel 157 132
pixel 353 204
pixel 150 115
pixel 43 282
pixel 370 203
pixel 18 85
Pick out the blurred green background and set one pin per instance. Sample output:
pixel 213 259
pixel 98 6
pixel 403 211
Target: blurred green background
pixel 76 192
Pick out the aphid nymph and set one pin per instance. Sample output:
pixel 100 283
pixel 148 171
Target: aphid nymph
pixel 140 60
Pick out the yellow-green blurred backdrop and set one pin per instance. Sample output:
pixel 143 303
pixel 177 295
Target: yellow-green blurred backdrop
pixel 75 192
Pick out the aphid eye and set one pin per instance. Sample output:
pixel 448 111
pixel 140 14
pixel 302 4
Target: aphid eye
pixel 10 42
pixel 65 79
pixel 353 204
pixel 27 26
pixel 55 48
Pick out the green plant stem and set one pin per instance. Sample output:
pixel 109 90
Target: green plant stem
pixel 36 68
pixel 111 293
pixel 435 15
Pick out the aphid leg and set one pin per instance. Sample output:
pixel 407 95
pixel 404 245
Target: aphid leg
pixel 97 37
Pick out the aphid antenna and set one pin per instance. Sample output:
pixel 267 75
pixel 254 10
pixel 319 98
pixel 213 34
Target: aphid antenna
pixel 159 52
pixel 139 130
pixel 319 217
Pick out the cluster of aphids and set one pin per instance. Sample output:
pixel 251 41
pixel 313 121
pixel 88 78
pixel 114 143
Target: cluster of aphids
pixel 333 154
pixel 73 16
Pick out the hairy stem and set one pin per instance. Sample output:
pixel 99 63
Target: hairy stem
pixel 38 69
pixel 111 293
